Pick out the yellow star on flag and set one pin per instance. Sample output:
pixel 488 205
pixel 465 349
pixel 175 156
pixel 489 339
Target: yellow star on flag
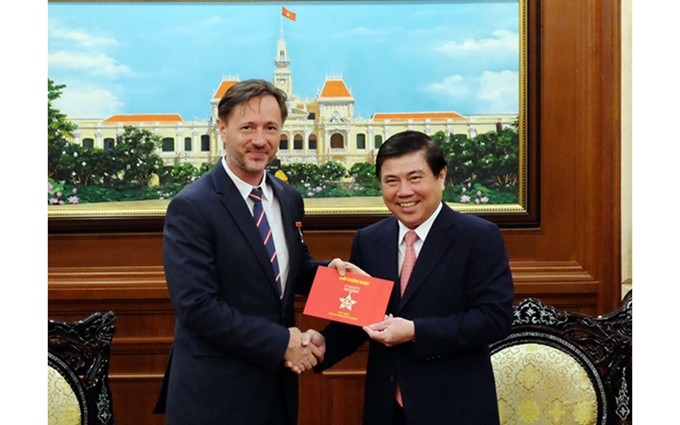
pixel 288 14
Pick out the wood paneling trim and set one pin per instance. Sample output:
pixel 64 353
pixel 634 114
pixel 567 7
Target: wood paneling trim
pixel 135 377
pixel 133 292
pixel 554 273
pixel 148 283
pixel 344 373
pixel 137 345
pixel 108 283
pixel 126 274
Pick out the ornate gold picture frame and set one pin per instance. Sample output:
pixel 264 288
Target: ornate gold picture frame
pixel 354 211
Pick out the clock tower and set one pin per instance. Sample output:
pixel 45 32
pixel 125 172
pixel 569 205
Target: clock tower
pixel 282 77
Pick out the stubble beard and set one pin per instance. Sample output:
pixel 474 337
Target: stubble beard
pixel 252 168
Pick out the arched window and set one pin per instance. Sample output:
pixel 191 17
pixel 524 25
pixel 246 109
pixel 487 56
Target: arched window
pixel 88 143
pixel 168 144
pixel 109 143
pixel 337 141
pixel 311 142
pixel 297 142
pixel 361 141
pixel 283 142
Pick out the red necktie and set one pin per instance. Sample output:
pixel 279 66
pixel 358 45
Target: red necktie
pixel 266 233
pixel 409 261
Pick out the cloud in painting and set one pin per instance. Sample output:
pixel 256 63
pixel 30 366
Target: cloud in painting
pixel 484 74
pixel 81 61
pixel 490 92
pixel 88 102
pixel 498 91
pixel 453 87
pixel 98 65
pixel 79 39
pixel 501 42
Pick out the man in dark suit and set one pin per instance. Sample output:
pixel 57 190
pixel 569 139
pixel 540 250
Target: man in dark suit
pixel 232 297
pixel 429 361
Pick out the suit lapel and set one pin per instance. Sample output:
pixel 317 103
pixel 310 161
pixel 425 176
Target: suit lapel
pixel 385 247
pixel 236 207
pixel 388 245
pixel 438 241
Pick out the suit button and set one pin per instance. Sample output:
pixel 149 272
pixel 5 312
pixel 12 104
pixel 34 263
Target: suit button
pixel 392 379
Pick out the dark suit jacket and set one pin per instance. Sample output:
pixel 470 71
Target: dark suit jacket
pixel 231 332
pixel 460 297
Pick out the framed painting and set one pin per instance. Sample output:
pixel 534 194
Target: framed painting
pixel 132 112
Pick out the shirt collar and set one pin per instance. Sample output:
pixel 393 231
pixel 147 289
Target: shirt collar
pixel 245 188
pixel 421 230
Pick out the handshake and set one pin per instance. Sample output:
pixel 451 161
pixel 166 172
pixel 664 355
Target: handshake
pixel 305 350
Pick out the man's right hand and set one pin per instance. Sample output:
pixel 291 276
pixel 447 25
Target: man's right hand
pixel 304 350
pixel 298 357
pixel 345 266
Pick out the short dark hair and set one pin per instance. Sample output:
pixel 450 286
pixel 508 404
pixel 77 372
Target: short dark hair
pixel 243 91
pixel 407 142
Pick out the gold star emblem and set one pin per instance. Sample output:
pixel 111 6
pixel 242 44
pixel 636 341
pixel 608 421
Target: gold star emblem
pixel 347 302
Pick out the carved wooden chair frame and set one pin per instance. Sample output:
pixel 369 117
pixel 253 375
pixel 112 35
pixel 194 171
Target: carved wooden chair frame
pixel 601 345
pixel 79 351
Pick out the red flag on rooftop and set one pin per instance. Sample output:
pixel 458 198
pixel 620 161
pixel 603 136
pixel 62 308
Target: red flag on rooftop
pixel 287 13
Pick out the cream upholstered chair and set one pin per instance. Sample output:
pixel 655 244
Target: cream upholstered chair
pixel 565 368
pixel 77 372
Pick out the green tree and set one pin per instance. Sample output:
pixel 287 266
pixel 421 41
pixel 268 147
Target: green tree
pixel 448 143
pixel 332 171
pixel 183 173
pixel 204 168
pixel 363 174
pixel 491 159
pixel 507 166
pixel 84 166
pixel 58 130
pixel 497 165
pixel 299 173
pixel 133 159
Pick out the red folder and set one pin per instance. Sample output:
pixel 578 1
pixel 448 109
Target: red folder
pixel 353 299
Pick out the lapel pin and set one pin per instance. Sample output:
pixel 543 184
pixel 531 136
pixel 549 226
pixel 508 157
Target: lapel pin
pixel 298 224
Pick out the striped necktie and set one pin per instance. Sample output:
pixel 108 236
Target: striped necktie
pixel 266 233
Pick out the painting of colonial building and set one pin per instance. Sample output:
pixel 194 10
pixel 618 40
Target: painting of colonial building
pixel 317 130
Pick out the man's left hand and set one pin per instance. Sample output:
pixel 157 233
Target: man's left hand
pixel 391 331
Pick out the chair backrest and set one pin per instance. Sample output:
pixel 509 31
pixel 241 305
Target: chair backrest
pixel 565 368
pixel 78 366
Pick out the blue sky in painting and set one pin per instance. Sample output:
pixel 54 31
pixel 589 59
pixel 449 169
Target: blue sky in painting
pixel 394 57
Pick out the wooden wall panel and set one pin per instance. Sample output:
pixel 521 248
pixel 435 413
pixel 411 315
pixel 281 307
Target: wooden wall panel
pixel 335 396
pixel 570 258
pixel 144 319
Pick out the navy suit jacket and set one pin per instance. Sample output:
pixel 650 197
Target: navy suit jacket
pixel 460 297
pixel 226 364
